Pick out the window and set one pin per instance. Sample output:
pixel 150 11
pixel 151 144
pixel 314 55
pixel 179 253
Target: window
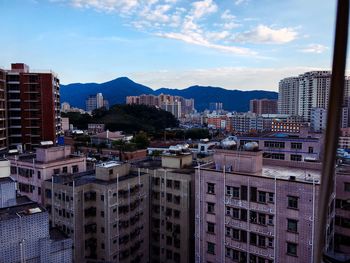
pixel 261 241
pixel 296 145
pixel 271 197
pixel 295 157
pixel 244 192
pixel 211 188
pixel 102 246
pixel 56 171
pixel 293 202
pixel 39 175
pixel 253 194
pixel 75 168
pixel 169 197
pixel 211 208
pixel 232 191
pixel 253 217
pixel 244 215
pixel 102 214
pixel 272 144
pixel 291 249
pixel 270 242
pixel 102 229
pixel 169 183
pixel 228 231
pixel 102 197
pixel 262 197
pixel 211 228
pixel 211 248
pixel 110 171
pixel 270 220
pixel 65 169
pixel 347 187
pixel 235 213
pixel 39 190
pixel 292 225
pixel 177 185
pixel 253 239
pixel 243 236
pixel 235 233
pixel 176 213
pixel 262 219
pixel 311 149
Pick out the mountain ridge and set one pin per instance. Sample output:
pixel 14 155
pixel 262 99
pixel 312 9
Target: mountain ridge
pixel 116 90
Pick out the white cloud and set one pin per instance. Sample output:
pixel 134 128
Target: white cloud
pixel 314 48
pixel 238 2
pixel 124 6
pixel 201 8
pixel 268 35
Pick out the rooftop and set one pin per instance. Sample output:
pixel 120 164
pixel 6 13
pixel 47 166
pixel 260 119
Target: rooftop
pixel 24 207
pixel 280 172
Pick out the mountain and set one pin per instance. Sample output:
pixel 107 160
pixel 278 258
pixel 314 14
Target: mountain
pixel 115 91
pixel 233 100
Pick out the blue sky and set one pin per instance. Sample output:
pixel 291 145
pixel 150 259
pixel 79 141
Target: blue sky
pixel 235 44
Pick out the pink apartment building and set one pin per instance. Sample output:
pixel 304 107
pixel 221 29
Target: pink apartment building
pixel 31 170
pixel 250 209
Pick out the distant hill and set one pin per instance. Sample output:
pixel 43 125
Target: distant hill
pixel 115 91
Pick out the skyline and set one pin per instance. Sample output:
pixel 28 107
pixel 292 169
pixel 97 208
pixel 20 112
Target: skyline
pixel 170 43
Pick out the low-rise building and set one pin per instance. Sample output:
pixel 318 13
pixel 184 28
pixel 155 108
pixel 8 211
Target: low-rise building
pixel 31 170
pixel 289 147
pixel 24 228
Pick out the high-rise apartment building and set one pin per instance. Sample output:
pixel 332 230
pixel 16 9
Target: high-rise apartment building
pixel 171 208
pixel 33 106
pixel 3 112
pixel 215 106
pixel 288 96
pixel 314 89
pixel 263 106
pixel 250 210
pixel 104 212
pixel 177 105
pixel 94 102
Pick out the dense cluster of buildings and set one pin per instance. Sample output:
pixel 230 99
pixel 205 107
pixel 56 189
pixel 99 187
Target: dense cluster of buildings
pixel 177 105
pixel 252 197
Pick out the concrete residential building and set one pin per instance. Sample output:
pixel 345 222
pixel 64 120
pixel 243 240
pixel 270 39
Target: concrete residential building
pixel 24 228
pixel 104 212
pixel 250 210
pixel 3 112
pixel 94 102
pixel 263 106
pixel 171 208
pixel 177 105
pixel 338 230
pixel 318 119
pixel 33 103
pixel 31 170
pixel 289 147
pixel 288 96
pixel 313 92
pixel 215 106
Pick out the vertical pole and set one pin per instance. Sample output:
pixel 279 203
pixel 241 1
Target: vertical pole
pixel 332 131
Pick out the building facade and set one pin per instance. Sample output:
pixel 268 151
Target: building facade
pixel 304 147
pixel 318 119
pixel 31 170
pixel 3 112
pixel 103 211
pixel 24 227
pixel 250 211
pixel 263 106
pixel 288 96
pixel 33 107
